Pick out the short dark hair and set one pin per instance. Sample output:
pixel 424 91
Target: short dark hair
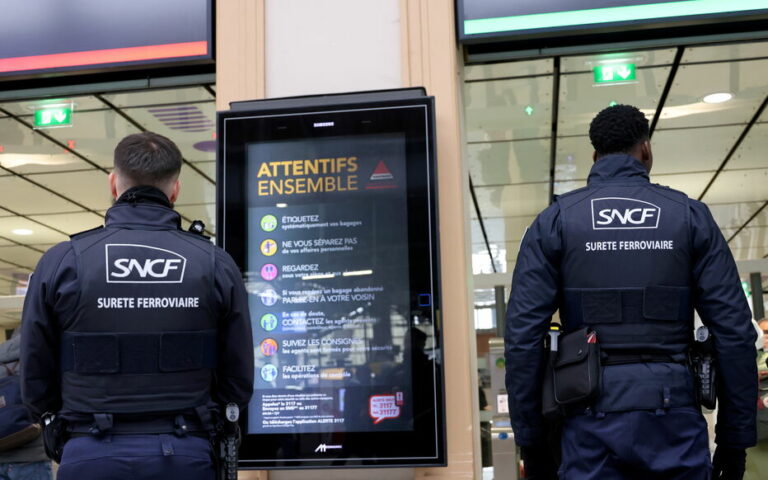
pixel 147 158
pixel 618 129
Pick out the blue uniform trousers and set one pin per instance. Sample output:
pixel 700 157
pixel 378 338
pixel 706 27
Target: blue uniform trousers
pixel 130 457
pixel 669 445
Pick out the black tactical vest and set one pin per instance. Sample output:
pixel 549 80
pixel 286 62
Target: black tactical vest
pixel 626 265
pixel 142 338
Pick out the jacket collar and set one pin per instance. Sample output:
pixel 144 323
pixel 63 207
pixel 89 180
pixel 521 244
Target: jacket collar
pixel 143 206
pixel 618 167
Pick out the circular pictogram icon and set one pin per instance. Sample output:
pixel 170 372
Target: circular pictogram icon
pixel 268 247
pixel 269 272
pixel 268 223
pixel 268 297
pixel 269 373
pixel 268 347
pixel 268 322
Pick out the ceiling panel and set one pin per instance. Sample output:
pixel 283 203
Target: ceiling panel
pixel 739 186
pixel 71 222
pixel 158 97
pixel 761 220
pixel 88 188
pixel 5 213
pixel 192 127
pixel 206 213
pixel 40 234
pixel 23 151
pixel 522 161
pixel 496 110
pixel 751 238
pixel 753 151
pixel 195 189
pixel 27 199
pixel 501 229
pixel 705 149
pixel 209 168
pixel 501 253
pixel 95 134
pixel 581 100
pixel 685 106
pixel 647 58
pixel 733 215
pixel 752 253
pixel 513 200
pixel 20 255
pixel 574 159
pixel 28 107
pixel 692 184
pixel 733 51
pixel 5 242
pixel 522 68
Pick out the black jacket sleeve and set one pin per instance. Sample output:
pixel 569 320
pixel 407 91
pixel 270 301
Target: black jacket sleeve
pixel 235 364
pixel 40 375
pixel 532 302
pixel 720 301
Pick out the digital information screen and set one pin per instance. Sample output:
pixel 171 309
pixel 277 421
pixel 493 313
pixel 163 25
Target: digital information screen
pixel 502 18
pixel 57 36
pixel 330 215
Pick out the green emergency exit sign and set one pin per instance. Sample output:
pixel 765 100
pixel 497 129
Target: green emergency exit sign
pixel 615 73
pixel 57 116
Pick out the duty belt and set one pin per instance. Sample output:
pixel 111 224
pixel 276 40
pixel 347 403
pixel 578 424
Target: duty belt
pixel 108 424
pixel 617 358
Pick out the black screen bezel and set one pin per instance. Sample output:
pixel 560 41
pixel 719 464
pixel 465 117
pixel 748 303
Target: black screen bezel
pixel 415 119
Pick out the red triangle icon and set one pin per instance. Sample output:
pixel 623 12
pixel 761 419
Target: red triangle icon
pixel 382 169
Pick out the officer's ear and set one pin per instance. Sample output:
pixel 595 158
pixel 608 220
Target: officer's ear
pixel 175 191
pixel 113 185
pixel 646 155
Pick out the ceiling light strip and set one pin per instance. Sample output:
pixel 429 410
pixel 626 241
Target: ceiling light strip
pixel 667 88
pixel 736 146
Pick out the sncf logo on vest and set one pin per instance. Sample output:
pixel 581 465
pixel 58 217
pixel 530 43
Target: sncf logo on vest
pixel 616 213
pixel 129 263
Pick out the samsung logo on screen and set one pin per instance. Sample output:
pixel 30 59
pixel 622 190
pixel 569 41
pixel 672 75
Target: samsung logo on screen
pixel 323 124
pixel 129 263
pixel 616 213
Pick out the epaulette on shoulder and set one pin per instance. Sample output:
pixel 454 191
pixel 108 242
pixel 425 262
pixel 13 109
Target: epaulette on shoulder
pixel 86 233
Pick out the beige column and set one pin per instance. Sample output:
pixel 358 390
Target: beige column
pixel 240 52
pixel 429 58
pixel 240 75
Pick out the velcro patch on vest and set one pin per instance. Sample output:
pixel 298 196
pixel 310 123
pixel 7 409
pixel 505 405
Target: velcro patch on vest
pixel 181 351
pixel 661 303
pixel 603 306
pixel 96 353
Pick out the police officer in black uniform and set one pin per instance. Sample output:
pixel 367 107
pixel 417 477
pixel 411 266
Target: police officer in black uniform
pixel 134 333
pixel 631 260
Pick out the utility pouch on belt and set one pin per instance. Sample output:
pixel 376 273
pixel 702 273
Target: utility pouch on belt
pixel 576 370
pixel 55 435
